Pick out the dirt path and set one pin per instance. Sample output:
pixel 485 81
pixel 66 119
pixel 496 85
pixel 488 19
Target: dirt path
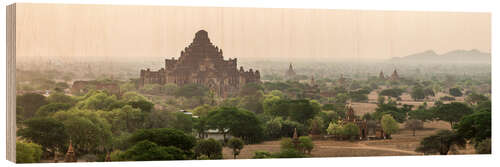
pixel 364 146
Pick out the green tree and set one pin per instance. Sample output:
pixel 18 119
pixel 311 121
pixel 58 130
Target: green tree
pixel 237 122
pixel 288 149
pixel 417 93
pixel 209 147
pixel 316 125
pixel 452 112
pixel 335 129
pixel 475 127
pixel 341 98
pixel 262 155
pixel 183 122
pixel 47 132
pixel 414 124
pixel 149 151
pixel 30 103
pixel 392 92
pixel 144 105
pixel 276 107
pixel 192 91
pixel 350 131
pixel 252 102
pixel 273 127
pixel 484 147
pixel 132 96
pixel 203 110
pixel 236 144
pixel 98 101
pixel 456 92
pixel 126 119
pixel 475 98
pixel 441 143
pixel 165 137
pixel 422 113
pixel 127 87
pixel 28 152
pixel 303 110
pixel 88 131
pixel 305 144
pixel 250 89
pixel 61 98
pixel 51 108
pixel 389 125
pixel 391 108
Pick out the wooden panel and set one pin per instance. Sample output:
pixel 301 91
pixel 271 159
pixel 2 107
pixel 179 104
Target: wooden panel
pixel 11 83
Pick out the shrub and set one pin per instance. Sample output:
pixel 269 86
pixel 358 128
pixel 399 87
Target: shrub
pixel 149 151
pixel 28 152
pixel 456 92
pixel 236 144
pixel 289 153
pixel 350 131
pixel 209 147
pixel 389 125
pixel 484 147
pixel 287 143
pixel 262 155
pixel 306 144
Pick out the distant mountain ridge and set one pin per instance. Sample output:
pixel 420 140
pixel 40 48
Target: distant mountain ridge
pixel 455 56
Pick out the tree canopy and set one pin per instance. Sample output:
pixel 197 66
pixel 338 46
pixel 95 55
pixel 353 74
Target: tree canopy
pixel 452 112
pixel 442 142
pixel 48 132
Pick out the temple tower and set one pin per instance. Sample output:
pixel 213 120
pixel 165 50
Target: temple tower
pixel 70 154
pixel 394 76
pixel 381 75
pixel 290 74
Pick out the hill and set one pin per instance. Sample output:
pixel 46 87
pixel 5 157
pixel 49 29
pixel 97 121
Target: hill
pixel 454 57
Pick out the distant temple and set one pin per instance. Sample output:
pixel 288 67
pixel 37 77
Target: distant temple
pixel 202 63
pixel 350 117
pixel 381 75
pixel 312 90
pixel 394 76
pixel 290 74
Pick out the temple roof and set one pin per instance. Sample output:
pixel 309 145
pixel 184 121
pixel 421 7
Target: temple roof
pixel 201 37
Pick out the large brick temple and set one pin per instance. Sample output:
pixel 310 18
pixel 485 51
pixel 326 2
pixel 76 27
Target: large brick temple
pixel 202 63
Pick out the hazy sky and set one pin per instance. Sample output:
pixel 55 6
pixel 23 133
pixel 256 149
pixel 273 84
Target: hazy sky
pixel 70 32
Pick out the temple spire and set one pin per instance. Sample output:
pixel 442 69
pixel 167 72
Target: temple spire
pixel 70 154
pixel 381 75
pixel 394 75
pixel 313 82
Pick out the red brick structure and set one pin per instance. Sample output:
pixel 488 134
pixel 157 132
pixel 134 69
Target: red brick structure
pixel 70 154
pixel 351 118
pixel 202 63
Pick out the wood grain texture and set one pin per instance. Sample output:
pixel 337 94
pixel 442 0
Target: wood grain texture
pixel 11 83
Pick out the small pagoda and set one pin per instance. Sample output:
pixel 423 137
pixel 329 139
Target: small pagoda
pixel 295 139
pixel 70 154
